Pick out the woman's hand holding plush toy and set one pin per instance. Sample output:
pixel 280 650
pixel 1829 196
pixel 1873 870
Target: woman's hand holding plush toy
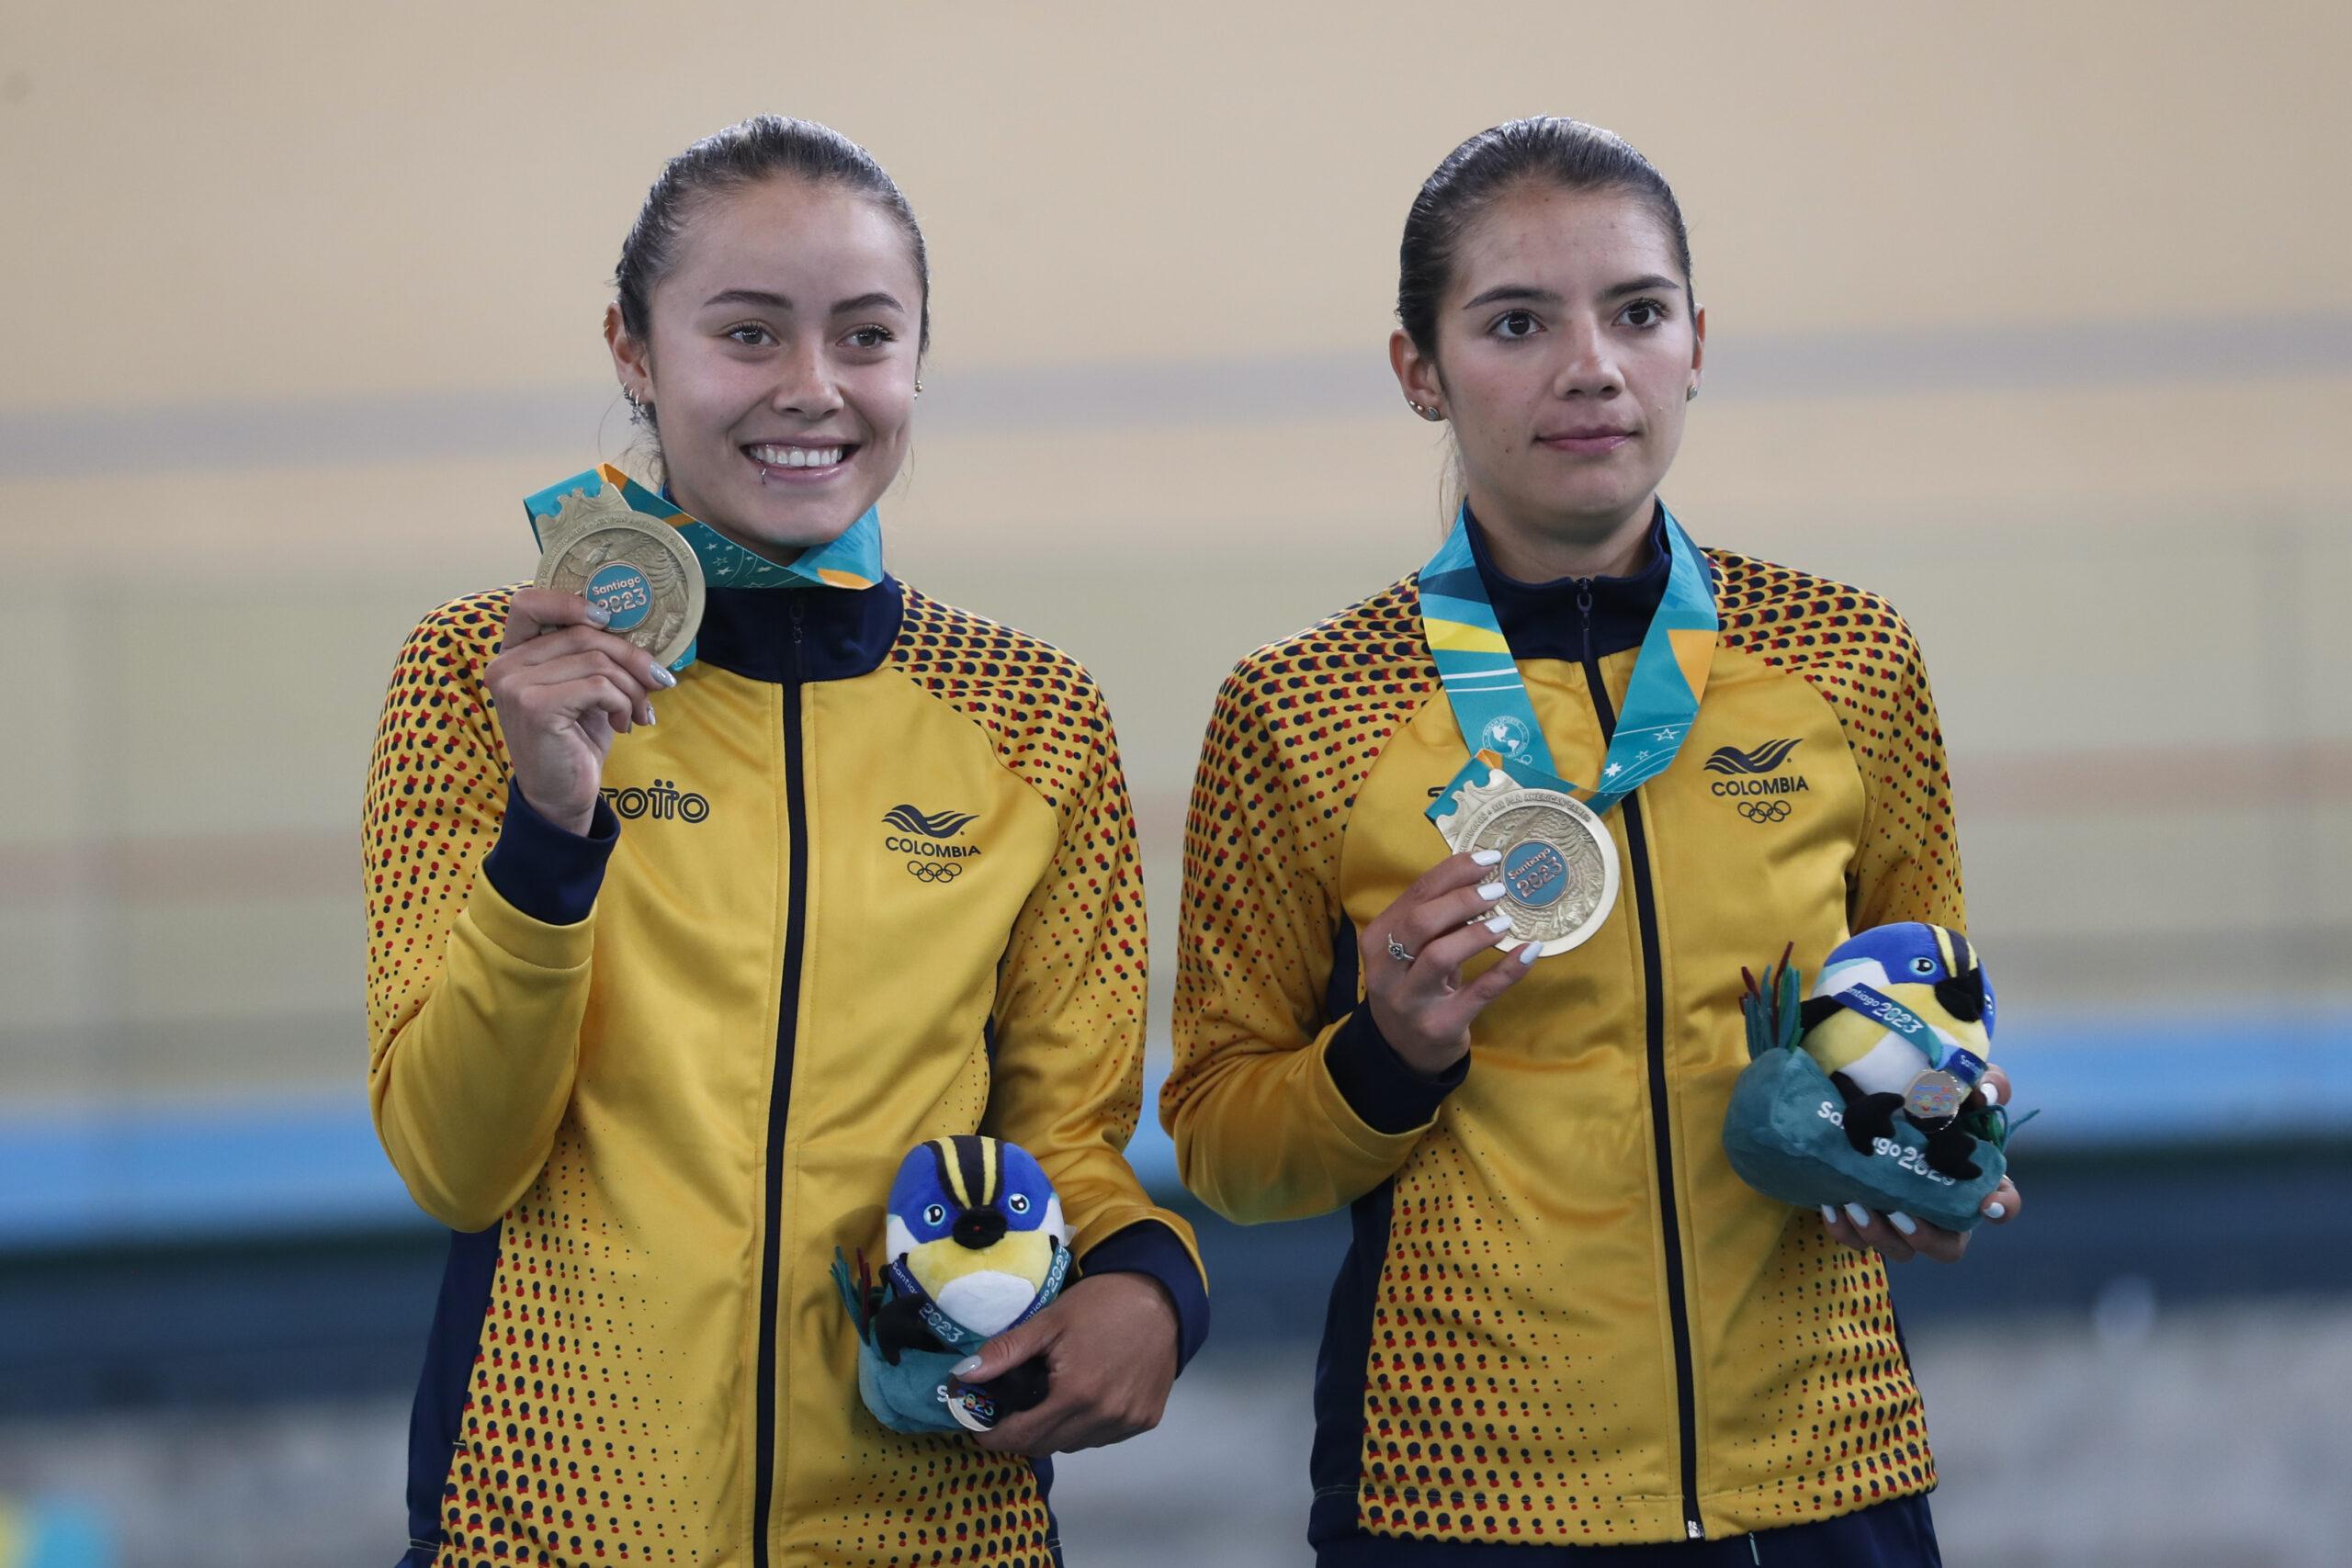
pixel 1412 957
pixel 1881 1233
pixel 1110 1343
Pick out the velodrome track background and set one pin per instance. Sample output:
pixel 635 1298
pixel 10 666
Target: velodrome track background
pixel 2032 317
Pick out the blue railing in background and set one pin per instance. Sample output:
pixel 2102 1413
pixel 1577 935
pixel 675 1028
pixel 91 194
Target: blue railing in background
pixel 94 1176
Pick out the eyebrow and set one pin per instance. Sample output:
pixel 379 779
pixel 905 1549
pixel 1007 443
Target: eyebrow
pixel 766 301
pixel 1527 293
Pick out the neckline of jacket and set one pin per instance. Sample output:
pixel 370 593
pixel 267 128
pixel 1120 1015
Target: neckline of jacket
pixel 1543 620
pixel 843 633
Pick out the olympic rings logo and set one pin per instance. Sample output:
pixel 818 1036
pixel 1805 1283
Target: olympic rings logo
pixel 934 871
pixel 1764 810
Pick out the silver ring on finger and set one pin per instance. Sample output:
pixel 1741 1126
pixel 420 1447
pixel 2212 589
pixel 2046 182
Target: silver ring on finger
pixel 1397 951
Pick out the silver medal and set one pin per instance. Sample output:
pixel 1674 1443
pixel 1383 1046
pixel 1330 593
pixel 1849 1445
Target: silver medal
pixel 1559 864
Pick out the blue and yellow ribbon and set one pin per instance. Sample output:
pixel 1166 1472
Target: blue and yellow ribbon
pixel 854 560
pixel 1489 697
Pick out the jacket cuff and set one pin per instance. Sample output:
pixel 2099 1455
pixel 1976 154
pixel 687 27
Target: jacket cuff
pixel 1149 1247
pixel 1380 1086
pixel 546 872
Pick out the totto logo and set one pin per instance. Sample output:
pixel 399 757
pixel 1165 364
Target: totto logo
pixel 660 800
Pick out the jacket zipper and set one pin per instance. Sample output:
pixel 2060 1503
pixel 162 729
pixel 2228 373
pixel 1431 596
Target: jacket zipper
pixel 1654 1023
pixel 787 1015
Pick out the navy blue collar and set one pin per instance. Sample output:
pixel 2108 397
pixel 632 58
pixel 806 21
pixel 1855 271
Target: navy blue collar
pixel 800 633
pixel 1546 620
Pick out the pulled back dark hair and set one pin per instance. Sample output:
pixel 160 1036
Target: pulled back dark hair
pixel 1549 149
pixel 764 147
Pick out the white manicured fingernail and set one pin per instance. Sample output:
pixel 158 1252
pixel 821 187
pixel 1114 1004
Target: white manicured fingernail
pixel 1996 1211
pixel 1487 857
pixel 965 1367
pixel 1491 891
pixel 1859 1215
pixel 1902 1221
pixel 1828 1215
pixel 1531 953
pixel 663 679
pixel 1500 924
pixel 1992 1091
pixel 648 713
pixel 598 616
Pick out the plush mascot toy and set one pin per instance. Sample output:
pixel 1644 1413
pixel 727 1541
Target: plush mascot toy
pixel 1867 1091
pixel 975 1244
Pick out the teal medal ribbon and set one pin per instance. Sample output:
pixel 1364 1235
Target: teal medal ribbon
pixel 1489 697
pixel 852 561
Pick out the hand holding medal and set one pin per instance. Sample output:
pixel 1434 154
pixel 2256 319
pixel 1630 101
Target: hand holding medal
pixel 1413 955
pixel 616 602
pixel 564 688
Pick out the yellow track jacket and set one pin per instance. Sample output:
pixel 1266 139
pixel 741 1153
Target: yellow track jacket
pixel 871 880
pixel 1563 1318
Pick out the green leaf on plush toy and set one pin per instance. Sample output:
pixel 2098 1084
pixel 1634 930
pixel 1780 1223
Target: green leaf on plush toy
pixel 852 1297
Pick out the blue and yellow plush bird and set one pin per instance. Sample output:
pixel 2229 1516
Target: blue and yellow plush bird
pixel 1869 1052
pixel 978 1225
pixel 974 1243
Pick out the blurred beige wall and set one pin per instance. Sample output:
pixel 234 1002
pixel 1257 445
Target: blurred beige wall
pixel 2036 317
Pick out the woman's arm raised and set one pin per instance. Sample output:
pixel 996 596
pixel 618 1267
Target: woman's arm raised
pixel 480 905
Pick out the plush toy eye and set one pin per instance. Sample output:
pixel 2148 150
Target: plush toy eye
pixel 935 1214
pixel 1923 966
pixel 1018 1202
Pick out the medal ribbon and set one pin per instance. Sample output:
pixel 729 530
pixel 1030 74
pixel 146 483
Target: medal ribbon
pixel 1490 698
pixel 1943 1052
pixel 853 562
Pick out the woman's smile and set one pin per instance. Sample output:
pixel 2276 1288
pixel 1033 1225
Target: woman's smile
pixel 801 462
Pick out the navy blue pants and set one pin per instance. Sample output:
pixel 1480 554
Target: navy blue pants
pixel 1886 1535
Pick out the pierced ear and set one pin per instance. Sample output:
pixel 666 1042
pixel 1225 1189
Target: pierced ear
pixel 1417 375
pixel 632 360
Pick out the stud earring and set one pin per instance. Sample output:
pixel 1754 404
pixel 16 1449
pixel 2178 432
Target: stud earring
pixel 1432 415
pixel 1691 393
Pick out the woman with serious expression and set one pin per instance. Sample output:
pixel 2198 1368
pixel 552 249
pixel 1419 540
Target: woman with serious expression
pixel 782 361
pixel 1568 346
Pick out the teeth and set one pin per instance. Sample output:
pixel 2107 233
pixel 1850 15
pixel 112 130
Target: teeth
pixel 798 456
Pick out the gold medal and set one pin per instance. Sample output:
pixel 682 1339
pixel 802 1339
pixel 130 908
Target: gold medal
pixel 1559 864
pixel 637 566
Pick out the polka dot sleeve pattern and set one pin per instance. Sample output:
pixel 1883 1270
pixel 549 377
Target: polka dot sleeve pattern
pixel 1853 649
pixel 1066 1076
pixel 1262 1131
pixel 473 1007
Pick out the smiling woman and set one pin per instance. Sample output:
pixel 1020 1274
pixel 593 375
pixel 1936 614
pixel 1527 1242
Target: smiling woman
pixel 651 1085
pixel 783 340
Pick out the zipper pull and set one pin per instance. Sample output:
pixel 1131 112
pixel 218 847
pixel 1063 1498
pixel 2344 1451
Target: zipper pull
pixel 1584 608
